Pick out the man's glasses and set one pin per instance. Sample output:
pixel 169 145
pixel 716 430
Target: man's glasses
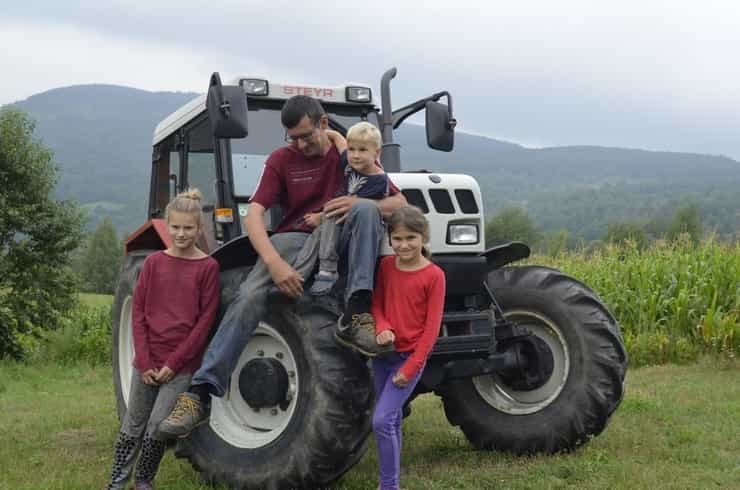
pixel 306 137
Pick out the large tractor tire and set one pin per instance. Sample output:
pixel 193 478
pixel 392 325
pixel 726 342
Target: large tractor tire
pixel 123 339
pixel 586 384
pixel 315 434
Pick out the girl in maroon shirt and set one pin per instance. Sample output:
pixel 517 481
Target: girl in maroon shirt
pixel 175 303
pixel 408 301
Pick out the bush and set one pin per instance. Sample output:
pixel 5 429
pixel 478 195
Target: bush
pixel 85 336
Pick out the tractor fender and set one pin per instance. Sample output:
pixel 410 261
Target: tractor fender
pixel 237 252
pixel 506 253
pixel 152 235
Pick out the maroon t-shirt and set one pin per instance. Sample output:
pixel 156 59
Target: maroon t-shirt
pixel 175 305
pixel 300 185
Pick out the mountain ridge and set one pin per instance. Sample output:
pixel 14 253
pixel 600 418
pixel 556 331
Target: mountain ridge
pixel 101 135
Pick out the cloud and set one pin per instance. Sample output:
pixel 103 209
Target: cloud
pixel 51 56
pixel 653 75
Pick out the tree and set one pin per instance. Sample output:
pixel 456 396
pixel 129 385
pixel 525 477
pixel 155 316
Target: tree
pixel 100 259
pixel 623 232
pixel 686 221
pixel 511 224
pixel 37 236
pixel 555 242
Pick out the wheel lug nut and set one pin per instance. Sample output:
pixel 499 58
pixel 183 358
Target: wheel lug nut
pixel 273 411
pixel 261 353
pixel 291 374
pixel 279 355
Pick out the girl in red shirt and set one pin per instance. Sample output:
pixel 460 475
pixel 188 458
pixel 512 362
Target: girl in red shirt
pixel 175 304
pixel 408 301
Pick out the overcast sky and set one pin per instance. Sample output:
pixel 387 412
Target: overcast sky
pixel 641 74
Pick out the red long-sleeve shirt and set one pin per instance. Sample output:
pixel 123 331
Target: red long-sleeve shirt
pixel 175 305
pixel 410 303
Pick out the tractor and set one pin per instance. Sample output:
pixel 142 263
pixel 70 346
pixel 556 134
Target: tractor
pixel 528 360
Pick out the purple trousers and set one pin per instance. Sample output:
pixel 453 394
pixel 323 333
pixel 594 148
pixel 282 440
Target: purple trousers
pixel 388 415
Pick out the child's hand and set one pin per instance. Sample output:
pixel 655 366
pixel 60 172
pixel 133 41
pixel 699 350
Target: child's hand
pixel 149 377
pixel 385 337
pixel 400 380
pixel 337 140
pixel 165 375
pixel 312 219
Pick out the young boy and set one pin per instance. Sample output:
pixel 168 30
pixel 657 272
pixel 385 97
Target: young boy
pixel 364 178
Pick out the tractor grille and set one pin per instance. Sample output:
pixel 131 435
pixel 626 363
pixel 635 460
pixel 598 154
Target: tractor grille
pixel 441 200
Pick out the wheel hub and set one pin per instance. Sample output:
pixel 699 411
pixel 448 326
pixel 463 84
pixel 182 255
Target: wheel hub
pixel 264 383
pixel 534 365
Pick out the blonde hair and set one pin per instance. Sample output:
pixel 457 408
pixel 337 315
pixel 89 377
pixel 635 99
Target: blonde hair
pixel 412 218
pixel 365 133
pixel 186 202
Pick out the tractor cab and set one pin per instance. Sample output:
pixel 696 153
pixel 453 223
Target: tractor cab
pixel 220 141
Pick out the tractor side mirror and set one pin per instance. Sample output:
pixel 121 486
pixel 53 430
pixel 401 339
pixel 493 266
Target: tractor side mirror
pixel 227 109
pixel 440 126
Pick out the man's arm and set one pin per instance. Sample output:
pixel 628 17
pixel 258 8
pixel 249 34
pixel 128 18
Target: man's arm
pixel 283 275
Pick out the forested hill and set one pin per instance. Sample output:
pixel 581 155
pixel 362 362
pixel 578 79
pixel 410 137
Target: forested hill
pixel 101 135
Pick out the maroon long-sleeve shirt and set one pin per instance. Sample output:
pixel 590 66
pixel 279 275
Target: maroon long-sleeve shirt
pixel 410 303
pixel 175 305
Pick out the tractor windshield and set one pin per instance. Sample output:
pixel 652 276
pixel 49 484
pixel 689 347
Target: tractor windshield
pixel 266 133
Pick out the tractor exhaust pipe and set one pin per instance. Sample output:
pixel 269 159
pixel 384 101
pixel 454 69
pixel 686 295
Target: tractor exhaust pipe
pixel 391 156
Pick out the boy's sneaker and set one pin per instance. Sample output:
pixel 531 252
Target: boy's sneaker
pixel 143 485
pixel 359 334
pixel 323 283
pixel 188 414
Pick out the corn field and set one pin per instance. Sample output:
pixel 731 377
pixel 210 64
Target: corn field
pixel 674 300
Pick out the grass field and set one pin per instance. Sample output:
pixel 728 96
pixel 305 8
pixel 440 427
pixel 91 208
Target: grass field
pixel 89 299
pixel 678 427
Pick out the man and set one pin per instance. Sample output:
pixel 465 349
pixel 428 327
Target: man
pixel 302 178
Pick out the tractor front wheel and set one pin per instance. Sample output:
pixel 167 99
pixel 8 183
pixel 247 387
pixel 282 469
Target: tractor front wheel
pixel 586 383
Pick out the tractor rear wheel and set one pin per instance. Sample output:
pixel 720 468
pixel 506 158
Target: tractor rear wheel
pixel 298 409
pixel 587 380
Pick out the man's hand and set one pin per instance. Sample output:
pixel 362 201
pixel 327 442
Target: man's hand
pixel 385 337
pixel 287 279
pixel 312 219
pixel 400 380
pixel 149 377
pixel 340 207
pixel 165 375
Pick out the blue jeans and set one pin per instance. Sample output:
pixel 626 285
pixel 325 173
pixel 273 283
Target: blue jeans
pixel 388 416
pixel 360 238
pixel 242 317
pixel 360 242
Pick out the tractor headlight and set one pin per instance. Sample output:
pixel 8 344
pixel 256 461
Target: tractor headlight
pixel 253 86
pixel 359 94
pixel 462 234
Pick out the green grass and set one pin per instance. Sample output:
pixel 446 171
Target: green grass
pixel 89 299
pixel 676 428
